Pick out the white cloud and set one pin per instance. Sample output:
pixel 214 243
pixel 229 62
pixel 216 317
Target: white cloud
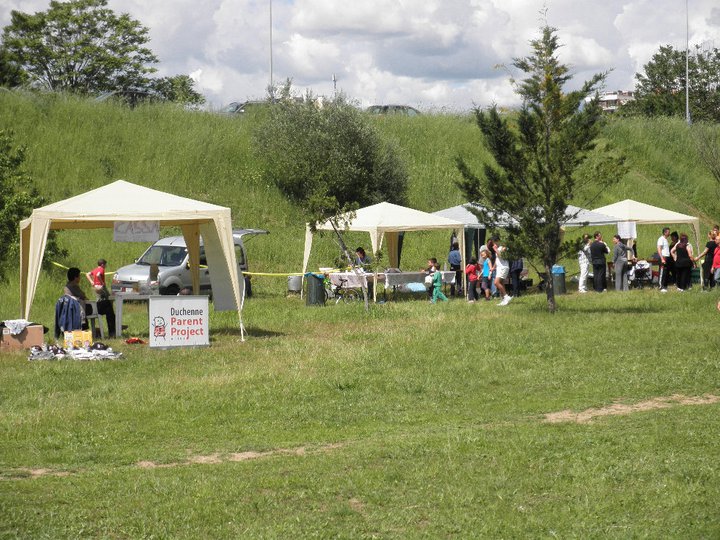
pixel 432 53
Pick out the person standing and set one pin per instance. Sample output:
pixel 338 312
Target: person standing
pixel 672 273
pixel 682 252
pixel 455 262
pixel 437 287
pixel 502 269
pixel 716 262
pixel 708 253
pixel 584 262
pixel 472 270
pixel 492 256
pixel 663 251
pixel 516 268
pixel 485 284
pixel 598 250
pixel 104 306
pixel 620 264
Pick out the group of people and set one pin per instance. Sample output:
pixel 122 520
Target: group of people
pixel 593 253
pixel 96 277
pixel 674 255
pixel 677 260
pixel 491 272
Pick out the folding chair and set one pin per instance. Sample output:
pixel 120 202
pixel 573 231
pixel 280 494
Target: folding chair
pixel 95 316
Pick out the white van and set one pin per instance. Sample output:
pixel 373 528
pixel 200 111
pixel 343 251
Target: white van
pixel 173 260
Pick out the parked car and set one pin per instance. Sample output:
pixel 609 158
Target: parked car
pixel 404 110
pixel 241 107
pixel 173 260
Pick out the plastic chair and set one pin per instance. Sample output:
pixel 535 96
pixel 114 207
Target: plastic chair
pixel 95 316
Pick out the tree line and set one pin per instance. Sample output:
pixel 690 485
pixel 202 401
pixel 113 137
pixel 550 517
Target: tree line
pixel 84 47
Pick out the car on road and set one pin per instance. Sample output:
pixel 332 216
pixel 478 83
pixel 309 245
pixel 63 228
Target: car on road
pixel 403 110
pixel 173 262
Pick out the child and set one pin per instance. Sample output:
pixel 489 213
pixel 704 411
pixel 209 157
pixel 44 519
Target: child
pixel 472 270
pixel 486 272
pixel 437 287
pixel 429 272
pixel 503 271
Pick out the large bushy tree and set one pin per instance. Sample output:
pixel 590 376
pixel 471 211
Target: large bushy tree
pixel 18 198
pixel 328 157
pixel 660 89
pixel 539 155
pixel 79 46
pixel 178 89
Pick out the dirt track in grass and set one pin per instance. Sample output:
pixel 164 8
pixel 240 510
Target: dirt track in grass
pixel 617 409
pixel 583 417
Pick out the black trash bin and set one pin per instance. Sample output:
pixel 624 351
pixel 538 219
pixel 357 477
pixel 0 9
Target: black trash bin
pixel 558 279
pixel 314 289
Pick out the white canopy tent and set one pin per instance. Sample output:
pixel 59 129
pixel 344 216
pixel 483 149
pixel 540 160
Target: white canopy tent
pixel 629 210
pixel 124 201
pixel 576 217
pixel 580 217
pixel 384 221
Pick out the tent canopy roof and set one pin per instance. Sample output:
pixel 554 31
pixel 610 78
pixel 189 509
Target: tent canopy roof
pixel 591 217
pixel 629 210
pixel 386 217
pixel 462 213
pixel 124 201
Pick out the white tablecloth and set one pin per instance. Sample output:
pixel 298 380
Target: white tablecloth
pixel 349 280
pixel 393 279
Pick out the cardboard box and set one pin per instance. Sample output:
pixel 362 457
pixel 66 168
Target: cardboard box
pixel 31 336
pixel 78 339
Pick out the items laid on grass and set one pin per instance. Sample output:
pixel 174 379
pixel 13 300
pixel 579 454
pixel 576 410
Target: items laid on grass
pixel 97 351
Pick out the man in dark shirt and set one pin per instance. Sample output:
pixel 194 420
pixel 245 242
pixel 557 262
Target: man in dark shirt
pixel 598 250
pixel 455 262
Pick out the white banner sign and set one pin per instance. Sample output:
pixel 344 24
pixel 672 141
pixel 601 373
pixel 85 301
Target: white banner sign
pixel 136 231
pixel 627 229
pixel 179 321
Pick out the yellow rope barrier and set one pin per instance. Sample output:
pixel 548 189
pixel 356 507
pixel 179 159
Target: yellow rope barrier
pixel 266 274
pixel 66 268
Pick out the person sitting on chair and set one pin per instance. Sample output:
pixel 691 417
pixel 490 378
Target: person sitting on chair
pixel 72 288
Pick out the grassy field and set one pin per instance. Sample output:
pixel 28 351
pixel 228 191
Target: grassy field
pixel 410 421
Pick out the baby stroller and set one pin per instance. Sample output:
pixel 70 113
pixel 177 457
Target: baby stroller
pixel 640 274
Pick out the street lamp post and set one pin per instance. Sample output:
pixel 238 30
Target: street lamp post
pixel 272 87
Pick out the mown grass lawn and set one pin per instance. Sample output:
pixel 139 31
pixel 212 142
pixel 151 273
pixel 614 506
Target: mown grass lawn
pixel 411 421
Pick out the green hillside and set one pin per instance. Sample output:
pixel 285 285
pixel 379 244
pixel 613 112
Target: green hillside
pixel 76 145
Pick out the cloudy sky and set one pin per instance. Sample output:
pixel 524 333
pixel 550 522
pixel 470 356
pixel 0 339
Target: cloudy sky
pixel 431 54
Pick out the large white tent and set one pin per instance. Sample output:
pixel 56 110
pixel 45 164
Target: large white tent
pixel 629 210
pixel 384 221
pixel 123 201
pixel 575 217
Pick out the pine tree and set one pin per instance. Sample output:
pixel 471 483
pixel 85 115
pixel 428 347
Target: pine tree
pixel 542 161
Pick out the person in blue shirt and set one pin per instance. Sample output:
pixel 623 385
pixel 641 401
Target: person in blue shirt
pixel 455 262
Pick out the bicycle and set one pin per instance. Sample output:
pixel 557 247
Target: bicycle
pixel 342 293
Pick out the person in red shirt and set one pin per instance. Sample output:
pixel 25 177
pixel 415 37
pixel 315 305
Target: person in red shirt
pixel 472 270
pixel 97 278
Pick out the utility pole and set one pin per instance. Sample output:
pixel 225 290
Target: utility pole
pixel 687 64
